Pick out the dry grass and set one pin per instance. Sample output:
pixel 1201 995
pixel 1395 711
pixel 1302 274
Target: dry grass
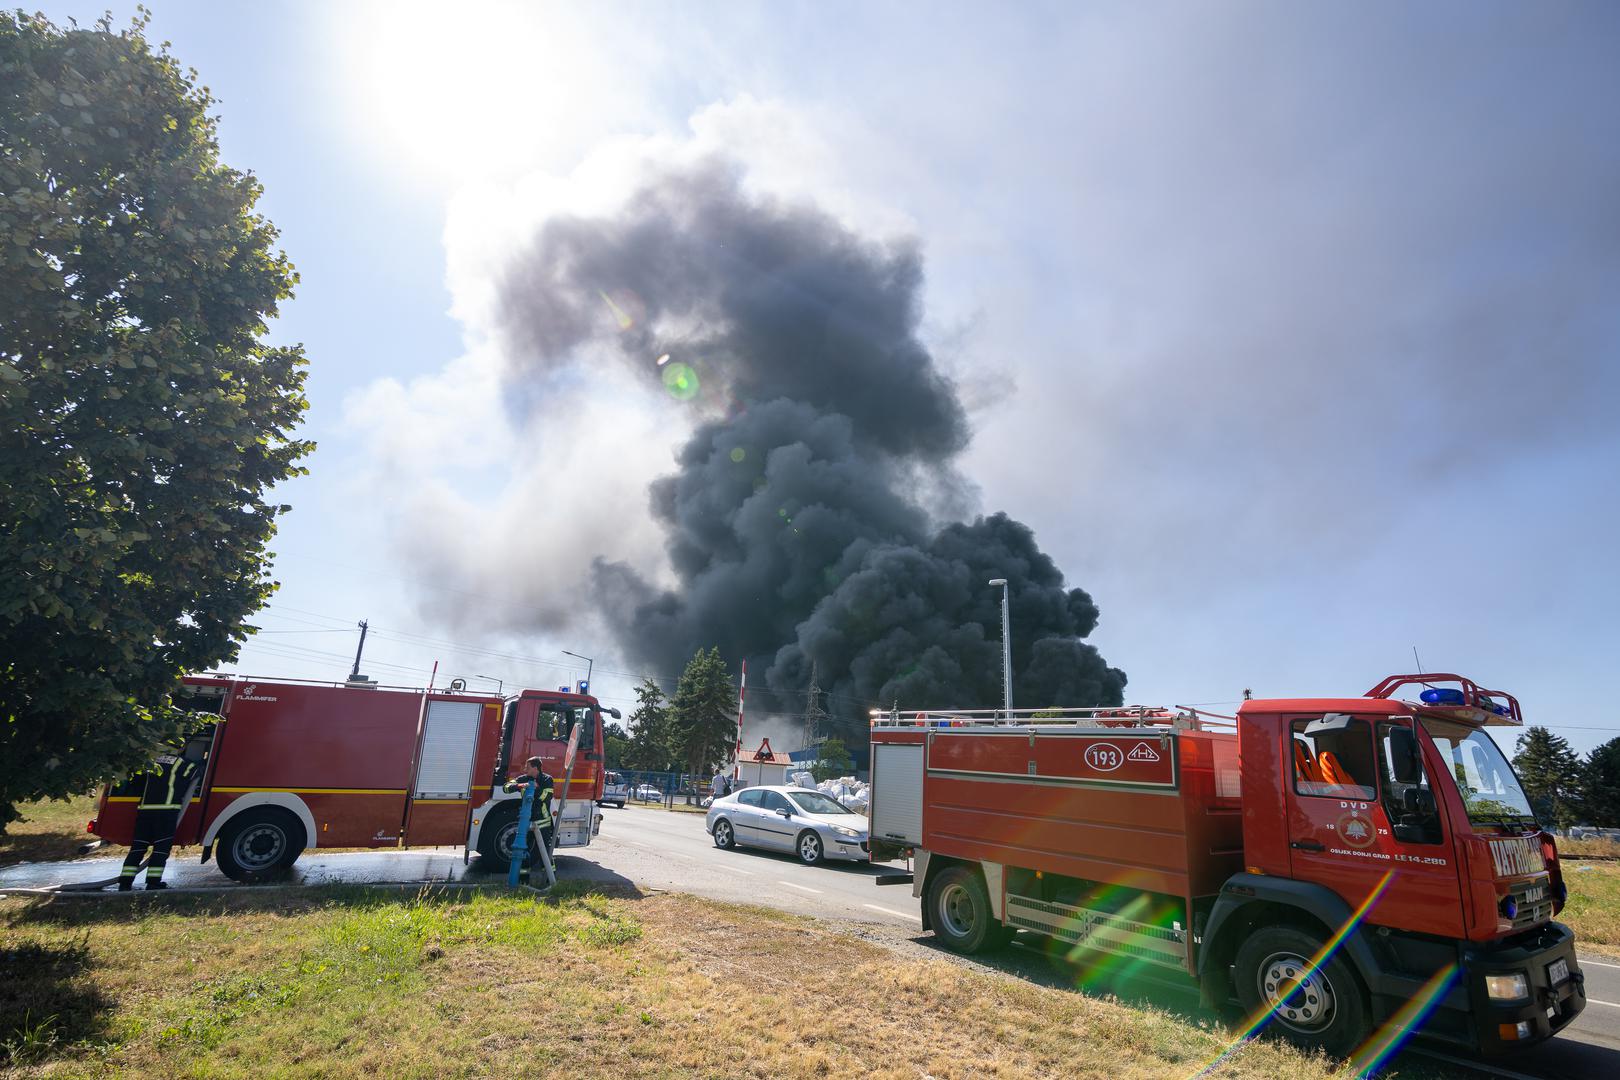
pixel 1593 911
pixel 49 830
pixel 1575 849
pixel 355 983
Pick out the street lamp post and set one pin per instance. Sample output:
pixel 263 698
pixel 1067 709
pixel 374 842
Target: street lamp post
pixel 500 684
pixel 589 664
pixel 1006 647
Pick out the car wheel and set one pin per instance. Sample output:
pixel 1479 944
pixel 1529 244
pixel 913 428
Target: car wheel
pixel 959 911
pixel 725 838
pixel 1321 1008
pixel 809 848
pixel 259 845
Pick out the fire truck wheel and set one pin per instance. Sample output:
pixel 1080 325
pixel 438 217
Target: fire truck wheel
pixel 809 848
pixel 1321 1009
pixel 499 834
pixel 259 845
pixel 725 837
pixel 960 908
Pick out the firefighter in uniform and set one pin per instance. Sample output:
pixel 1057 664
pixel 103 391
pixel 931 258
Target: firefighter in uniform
pixel 157 815
pixel 540 813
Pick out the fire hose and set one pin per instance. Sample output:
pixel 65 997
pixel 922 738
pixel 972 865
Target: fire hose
pixel 105 883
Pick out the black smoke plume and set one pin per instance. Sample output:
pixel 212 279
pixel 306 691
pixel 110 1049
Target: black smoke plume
pixel 799 518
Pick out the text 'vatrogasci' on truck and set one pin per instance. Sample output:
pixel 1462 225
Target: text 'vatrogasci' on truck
pixel 294 764
pixel 1339 867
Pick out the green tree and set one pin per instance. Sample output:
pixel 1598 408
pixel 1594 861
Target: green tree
pixel 143 420
pixel 703 713
pixel 833 762
pixel 1551 775
pixel 615 744
pixel 650 735
pixel 1600 786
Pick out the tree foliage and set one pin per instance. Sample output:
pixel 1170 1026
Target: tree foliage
pixel 1551 775
pixel 651 739
pixel 1600 786
pixel 833 762
pixel 615 745
pixel 705 723
pixel 143 419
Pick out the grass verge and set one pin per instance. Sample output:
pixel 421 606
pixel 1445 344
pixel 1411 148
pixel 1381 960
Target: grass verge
pixel 50 829
pixel 356 982
pixel 1593 911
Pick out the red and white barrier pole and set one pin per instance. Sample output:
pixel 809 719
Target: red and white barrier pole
pixel 742 689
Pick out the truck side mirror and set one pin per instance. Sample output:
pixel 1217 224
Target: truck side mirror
pixel 1403 756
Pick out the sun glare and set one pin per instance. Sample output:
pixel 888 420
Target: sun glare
pixel 458 93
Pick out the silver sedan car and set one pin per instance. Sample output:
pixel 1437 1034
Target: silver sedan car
pixel 807 823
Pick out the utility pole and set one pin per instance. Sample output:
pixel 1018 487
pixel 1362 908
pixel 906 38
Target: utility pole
pixel 1006 646
pixel 355 674
pixel 815 717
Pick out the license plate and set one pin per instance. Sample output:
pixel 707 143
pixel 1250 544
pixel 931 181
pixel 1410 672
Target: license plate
pixel 1557 971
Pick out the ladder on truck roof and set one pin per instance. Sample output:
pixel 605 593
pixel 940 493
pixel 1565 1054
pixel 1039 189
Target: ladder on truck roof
pixel 1176 718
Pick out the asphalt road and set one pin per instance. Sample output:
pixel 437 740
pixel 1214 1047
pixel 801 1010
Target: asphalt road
pixel 652 849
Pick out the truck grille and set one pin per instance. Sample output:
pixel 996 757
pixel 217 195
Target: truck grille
pixel 1534 899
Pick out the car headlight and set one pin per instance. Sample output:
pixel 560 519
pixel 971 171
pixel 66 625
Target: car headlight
pixel 847 834
pixel 1507 987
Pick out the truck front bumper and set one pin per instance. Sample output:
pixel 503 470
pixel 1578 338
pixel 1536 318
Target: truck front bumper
pixel 1556 990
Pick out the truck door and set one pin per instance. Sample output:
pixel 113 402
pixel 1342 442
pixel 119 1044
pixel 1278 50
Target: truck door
pixel 441 789
pixel 1344 778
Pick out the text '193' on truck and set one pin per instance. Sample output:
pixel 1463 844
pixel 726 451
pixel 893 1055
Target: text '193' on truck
pixel 1341 868
pixel 294 765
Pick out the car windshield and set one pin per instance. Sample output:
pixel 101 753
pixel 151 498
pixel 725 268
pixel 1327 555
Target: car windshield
pixel 814 802
pixel 1489 789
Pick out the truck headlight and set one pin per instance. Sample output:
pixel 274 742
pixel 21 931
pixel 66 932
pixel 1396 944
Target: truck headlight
pixel 1507 987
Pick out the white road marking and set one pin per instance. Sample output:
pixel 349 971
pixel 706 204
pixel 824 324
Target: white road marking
pixel 891 911
pixel 801 888
pixel 1584 962
pixel 1595 1001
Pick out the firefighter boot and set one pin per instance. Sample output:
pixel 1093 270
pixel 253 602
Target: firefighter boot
pixel 150 885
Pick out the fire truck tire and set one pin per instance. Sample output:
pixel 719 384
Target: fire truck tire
pixel 725 836
pixel 959 911
pixel 1326 1011
pixel 499 833
pixel 259 845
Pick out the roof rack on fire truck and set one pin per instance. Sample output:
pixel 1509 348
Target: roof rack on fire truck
pixel 1468 702
pixel 1176 718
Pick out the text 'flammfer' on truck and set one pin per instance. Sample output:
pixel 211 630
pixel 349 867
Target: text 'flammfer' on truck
pixel 1336 866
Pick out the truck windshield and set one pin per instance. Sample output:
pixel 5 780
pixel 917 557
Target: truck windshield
pixel 1490 791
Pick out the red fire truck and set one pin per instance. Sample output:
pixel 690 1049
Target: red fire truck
pixel 299 764
pixel 1336 866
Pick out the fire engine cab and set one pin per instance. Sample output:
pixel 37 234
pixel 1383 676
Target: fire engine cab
pixel 296 764
pixel 1336 866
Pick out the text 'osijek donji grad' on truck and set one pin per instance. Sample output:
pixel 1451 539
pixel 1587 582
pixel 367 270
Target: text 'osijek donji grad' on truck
pixel 1345 865
pixel 297 764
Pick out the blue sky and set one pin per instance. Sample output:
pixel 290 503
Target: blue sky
pixel 1292 329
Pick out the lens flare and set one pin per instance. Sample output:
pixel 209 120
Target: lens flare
pixel 1388 1039
pixel 681 381
pixel 662 360
pixel 1258 1020
pixel 737 454
pixel 625 307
